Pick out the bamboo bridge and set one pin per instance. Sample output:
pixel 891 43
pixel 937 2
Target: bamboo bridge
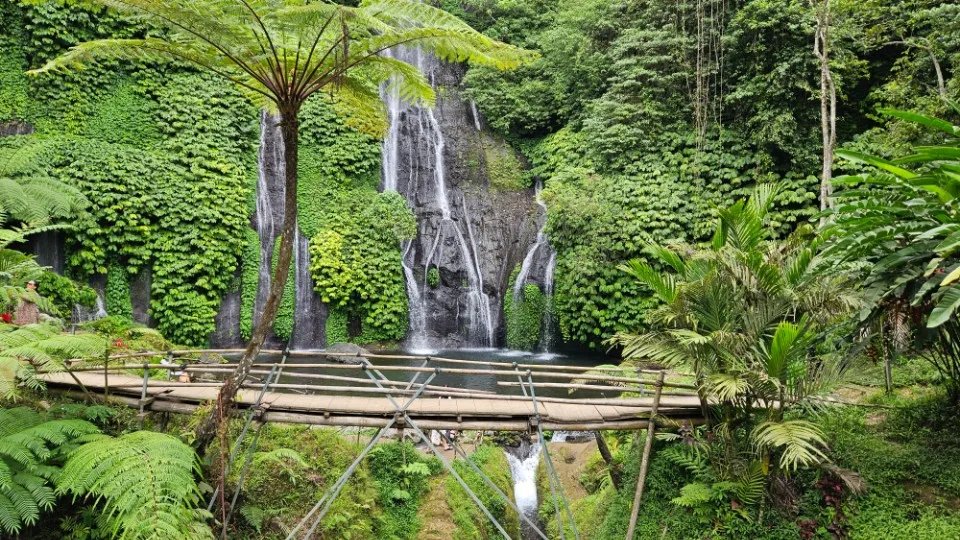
pixel 360 394
pixel 364 397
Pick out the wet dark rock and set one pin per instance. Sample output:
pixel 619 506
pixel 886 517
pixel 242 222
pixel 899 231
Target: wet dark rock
pixel 358 352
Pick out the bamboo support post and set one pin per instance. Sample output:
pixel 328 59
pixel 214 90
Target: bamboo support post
pixel 645 460
pixel 143 394
pixel 88 396
pixel 106 371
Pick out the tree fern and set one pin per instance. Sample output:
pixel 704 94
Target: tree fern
pixel 279 54
pixel 28 349
pixel 144 481
pixel 30 447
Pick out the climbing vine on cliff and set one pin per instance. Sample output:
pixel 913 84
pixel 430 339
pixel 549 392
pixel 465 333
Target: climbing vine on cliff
pixel 355 261
pixel 162 153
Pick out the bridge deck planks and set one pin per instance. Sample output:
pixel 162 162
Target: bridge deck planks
pixel 430 407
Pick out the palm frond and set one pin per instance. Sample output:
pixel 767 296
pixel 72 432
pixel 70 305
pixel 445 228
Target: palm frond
pixel 798 441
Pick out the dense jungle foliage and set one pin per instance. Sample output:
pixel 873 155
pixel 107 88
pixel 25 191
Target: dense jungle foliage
pixel 643 117
pixel 679 146
pixel 168 158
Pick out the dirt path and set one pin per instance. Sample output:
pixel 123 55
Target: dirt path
pixel 435 514
pixel 570 459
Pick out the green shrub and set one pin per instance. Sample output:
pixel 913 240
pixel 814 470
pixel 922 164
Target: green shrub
pixel 524 316
pixel 470 521
pixel 65 293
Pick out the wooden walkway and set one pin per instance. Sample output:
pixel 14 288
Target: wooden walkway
pixel 496 412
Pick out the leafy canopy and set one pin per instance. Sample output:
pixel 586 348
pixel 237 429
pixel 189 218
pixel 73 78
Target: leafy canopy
pixel 281 52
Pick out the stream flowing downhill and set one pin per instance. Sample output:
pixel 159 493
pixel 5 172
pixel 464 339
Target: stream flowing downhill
pixel 523 461
pixel 415 144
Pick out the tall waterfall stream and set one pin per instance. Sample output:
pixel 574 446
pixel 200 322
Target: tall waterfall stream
pixel 408 120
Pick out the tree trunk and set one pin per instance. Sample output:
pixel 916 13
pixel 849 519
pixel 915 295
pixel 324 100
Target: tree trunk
pixel 828 101
pixel 225 401
pixel 608 459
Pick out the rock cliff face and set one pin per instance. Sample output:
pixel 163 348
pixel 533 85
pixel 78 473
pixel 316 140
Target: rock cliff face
pixel 471 233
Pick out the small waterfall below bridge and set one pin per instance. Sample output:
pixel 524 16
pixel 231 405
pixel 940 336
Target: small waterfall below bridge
pixel 523 461
pixel 414 164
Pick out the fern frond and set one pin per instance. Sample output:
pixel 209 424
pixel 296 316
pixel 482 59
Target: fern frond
pixel 143 480
pixel 27 443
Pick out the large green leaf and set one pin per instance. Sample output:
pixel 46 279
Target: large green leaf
pixel 929 121
pixel 945 308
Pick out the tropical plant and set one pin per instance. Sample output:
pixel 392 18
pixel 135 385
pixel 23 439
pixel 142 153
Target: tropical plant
pixel 743 315
pixel 715 497
pixel 25 350
pixel 29 205
pixel 900 222
pixel 144 482
pixel 31 449
pixel 279 54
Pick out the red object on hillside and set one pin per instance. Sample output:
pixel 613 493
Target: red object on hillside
pixel 6 317
pixel 118 343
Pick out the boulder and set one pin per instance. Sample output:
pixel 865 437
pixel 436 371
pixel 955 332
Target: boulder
pixel 358 352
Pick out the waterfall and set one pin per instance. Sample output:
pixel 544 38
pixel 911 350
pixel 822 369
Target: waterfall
pixel 548 324
pixel 476 115
pixel 82 315
pixel 531 257
pixel 417 131
pixel 308 320
pixel 417 308
pixel 309 314
pixel 271 172
pixel 526 267
pixel 523 468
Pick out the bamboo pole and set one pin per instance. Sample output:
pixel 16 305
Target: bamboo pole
pixel 311 354
pixel 645 461
pixel 441 392
pixel 597 387
pixel 415 369
pixel 319 419
pixel 560 367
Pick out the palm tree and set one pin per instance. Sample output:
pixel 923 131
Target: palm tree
pixel 743 315
pixel 281 52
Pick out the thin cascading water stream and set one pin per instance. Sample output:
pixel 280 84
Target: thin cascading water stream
pixel 271 171
pixel 548 324
pixel 476 115
pixel 271 180
pixel 523 461
pixel 408 120
pixel 82 314
pixel 531 257
pixel 306 327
